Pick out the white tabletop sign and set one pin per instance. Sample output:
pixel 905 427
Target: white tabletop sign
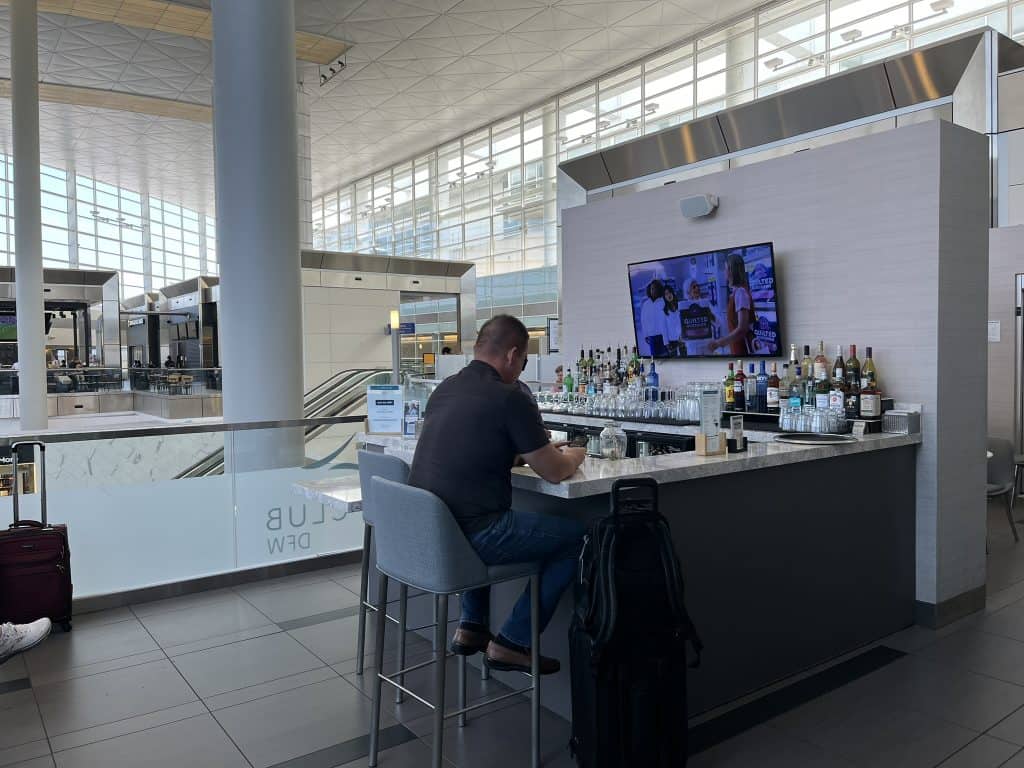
pixel 384 409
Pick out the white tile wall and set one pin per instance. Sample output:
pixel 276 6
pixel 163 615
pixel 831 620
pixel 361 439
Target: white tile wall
pixel 343 328
pixel 856 227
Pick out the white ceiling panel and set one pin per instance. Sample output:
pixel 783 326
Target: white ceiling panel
pixel 420 72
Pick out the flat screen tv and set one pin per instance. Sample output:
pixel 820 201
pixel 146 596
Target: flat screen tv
pixel 8 328
pixel 720 303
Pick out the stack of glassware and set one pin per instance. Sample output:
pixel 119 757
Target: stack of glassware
pixel 635 403
pixel 807 418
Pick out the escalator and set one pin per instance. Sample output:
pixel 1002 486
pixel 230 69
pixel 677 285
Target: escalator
pixel 343 394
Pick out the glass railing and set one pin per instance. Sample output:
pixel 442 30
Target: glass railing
pixel 134 523
pixel 173 381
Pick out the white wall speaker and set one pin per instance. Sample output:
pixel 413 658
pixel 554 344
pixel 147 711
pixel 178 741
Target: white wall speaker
pixel 699 205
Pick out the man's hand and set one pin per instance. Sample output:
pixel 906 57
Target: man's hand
pixel 578 455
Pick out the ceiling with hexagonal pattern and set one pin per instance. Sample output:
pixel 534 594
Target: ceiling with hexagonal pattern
pixel 418 72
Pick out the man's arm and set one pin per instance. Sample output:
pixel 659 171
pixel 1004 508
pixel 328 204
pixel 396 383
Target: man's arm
pixel 555 464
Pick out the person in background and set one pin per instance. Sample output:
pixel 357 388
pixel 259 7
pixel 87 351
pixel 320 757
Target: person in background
pixel 446 350
pixel 740 311
pixel 169 362
pixel 652 320
pixel 478 423
pixel 559 378
pixel 18 638
pixel 673 323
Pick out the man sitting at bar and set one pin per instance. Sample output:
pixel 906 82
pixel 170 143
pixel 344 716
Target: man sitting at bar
pixel 477 425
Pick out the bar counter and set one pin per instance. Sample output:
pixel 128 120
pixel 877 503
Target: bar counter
pixel 793 555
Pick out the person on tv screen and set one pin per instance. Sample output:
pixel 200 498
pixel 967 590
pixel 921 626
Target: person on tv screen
pixel 653 326
pixel 740 311
pixel 673 323
pixel 697 320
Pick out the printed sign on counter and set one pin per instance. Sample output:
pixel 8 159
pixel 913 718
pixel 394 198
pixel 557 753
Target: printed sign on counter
pixel 385 409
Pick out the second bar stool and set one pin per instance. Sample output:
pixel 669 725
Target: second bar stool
pixel 420 545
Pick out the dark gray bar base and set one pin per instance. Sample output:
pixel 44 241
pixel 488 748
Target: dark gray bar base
pixel 936 615
pixel 786 568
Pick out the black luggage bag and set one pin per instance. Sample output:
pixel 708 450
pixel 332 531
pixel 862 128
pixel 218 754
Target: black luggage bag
pixel 628 639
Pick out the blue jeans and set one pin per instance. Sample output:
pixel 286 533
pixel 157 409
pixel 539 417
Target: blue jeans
pixel 518 537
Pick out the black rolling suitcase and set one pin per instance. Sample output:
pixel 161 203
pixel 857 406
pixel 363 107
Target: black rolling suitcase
pixel 629 638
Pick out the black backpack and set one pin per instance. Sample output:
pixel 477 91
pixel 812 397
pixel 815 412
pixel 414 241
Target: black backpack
pixel 628 639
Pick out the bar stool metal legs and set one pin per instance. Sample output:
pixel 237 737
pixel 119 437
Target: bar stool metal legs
pixel 439 675
pixel 535 667
pixel 364 578
pixel 382 598
pixel 403 609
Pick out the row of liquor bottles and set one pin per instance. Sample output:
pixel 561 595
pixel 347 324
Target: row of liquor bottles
pixel 845 385
pixel 600 370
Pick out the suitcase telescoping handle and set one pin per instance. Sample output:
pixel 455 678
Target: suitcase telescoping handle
pixel 40 475
pixel 634 489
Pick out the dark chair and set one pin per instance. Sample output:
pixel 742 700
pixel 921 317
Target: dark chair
pixel 1002 476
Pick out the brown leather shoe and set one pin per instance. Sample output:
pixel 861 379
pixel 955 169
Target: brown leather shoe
pixel 507 660
pixel 466 642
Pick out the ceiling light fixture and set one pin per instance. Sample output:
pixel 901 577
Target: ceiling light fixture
pixel 651 107
pixel 336 67
pixel 774 63
pixel 942 6
pixel 852 35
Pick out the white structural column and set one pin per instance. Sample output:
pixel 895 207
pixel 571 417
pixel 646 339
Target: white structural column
pixel 257 178
pixel 28 239
pixel 305 169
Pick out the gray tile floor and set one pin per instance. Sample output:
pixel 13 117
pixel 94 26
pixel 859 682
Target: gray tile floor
pixel 264 675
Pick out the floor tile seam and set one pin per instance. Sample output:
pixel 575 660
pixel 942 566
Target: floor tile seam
pixel 165 657
pixel 128 733
pixel 496 707
pixel 132 717
pixel 315 654
pixel 302 622
pixel 1007 760
pixel 262 682
pixel 79 626
pixel 267 588
pixel 269 695
pixel 1003 720
pixel 256 608
pixel 164 612
pixel 170 649
pixel 969 670
pixel 39 714
pixel 793 736
pixel 990 633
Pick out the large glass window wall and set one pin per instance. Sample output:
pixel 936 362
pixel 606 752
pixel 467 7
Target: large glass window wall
pixel 489 196
pixel 88 224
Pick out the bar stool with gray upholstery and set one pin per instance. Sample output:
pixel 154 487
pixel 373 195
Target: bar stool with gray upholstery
pixel 420 545
pixel 373 465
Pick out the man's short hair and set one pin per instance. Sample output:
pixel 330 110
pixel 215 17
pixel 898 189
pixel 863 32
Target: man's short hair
pixel 499 334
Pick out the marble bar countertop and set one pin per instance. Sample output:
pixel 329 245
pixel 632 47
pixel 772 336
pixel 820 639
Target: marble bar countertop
pixel 596 476
pixel 342 494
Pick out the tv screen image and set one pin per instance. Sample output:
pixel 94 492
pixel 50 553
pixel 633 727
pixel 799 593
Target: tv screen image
pixel 8 328
pixel 720 303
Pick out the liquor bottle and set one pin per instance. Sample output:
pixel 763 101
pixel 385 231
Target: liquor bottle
pixel 785 380
pixel 808 390
pixel 567 381
pixel 620 367
pixel 839 366
pixel 822 393
pixel 793 362
pixel 739 389
pixel 796 389
pixel 750 397
pixel 727 384
pixel 868 373
pixel 771 395
pixel 853 367
pixel 821 364
pixel 807 364
pixel 837 392
pixel 762 389
pixel 870 402
pixel 653 378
